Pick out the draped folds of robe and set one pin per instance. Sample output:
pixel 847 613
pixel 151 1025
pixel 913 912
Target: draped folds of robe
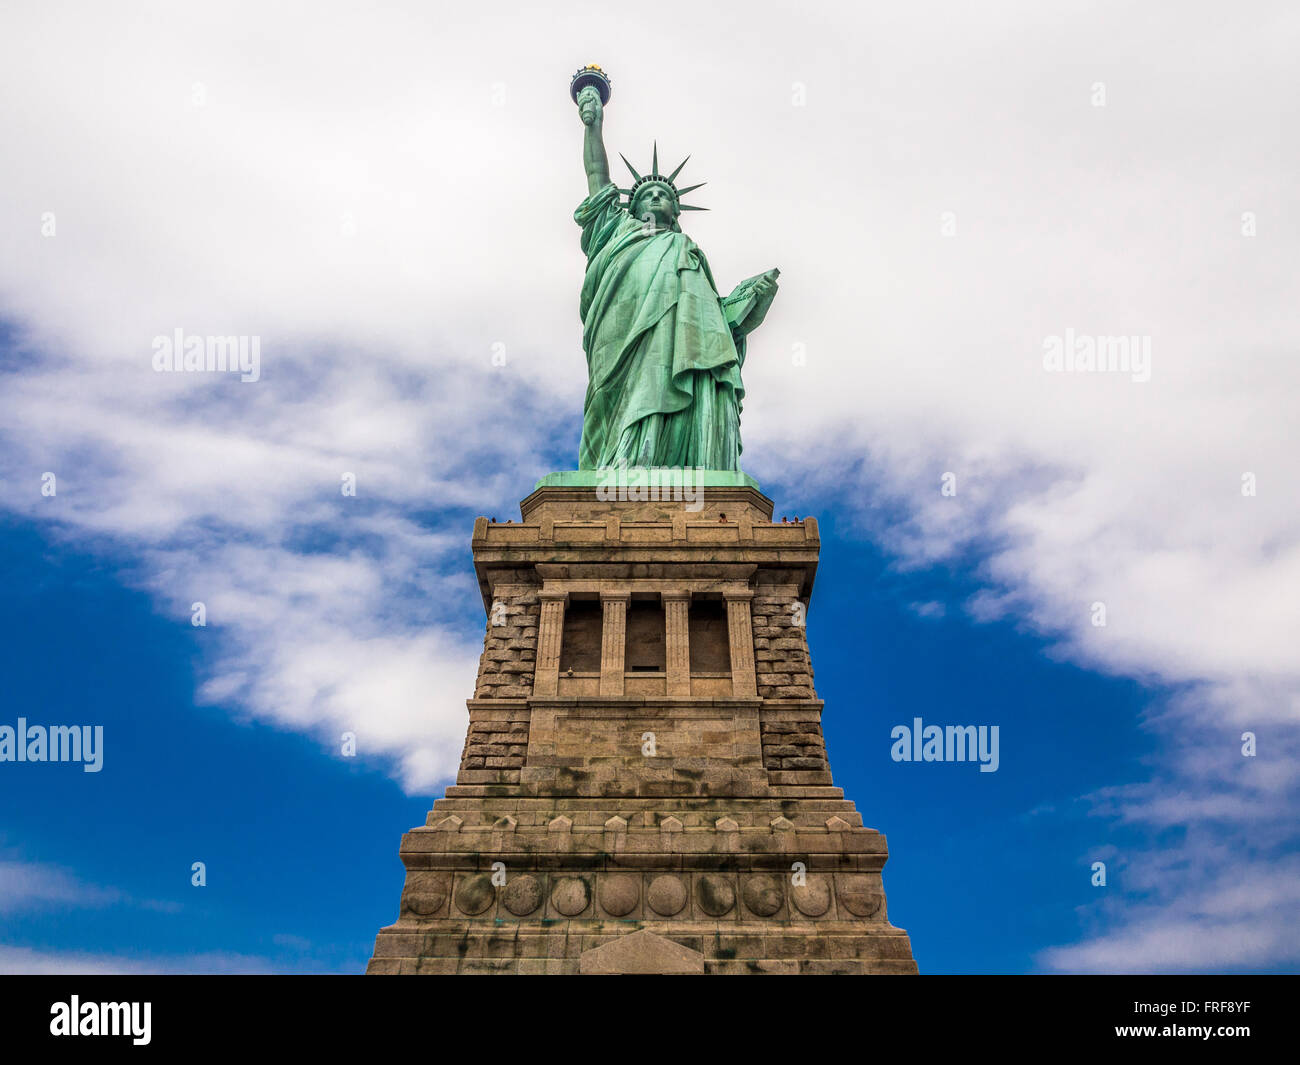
pixel 663 365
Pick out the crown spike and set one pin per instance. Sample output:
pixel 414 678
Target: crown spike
pixel 673 175
pixel 691 207
pixel 654 162
pixel 629 166
pixel 691 188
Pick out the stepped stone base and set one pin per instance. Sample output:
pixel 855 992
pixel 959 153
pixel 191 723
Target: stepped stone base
pixel 644 787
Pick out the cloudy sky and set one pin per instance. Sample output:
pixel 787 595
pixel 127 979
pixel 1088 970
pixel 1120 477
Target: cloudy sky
pixel 382 194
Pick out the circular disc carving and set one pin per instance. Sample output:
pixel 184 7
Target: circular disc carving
pixel 813 898
pixel 716 894
pixel 425 895
pixel 522 895
pixel 619 894
pixel 475 894
pixel 763 895
pixel 667 895
pixel 570 896
pixel 860 896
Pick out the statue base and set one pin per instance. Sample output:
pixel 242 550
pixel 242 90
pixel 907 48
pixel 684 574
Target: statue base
pixel 648 477
pixel 644 786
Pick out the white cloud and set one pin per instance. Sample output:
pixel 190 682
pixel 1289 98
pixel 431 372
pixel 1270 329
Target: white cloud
pixel 923 352
pixel 1243 919
pixel 930 609
pixel 27 961
pixel 26 886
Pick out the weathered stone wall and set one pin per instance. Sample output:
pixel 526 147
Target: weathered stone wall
pixel 650 747
pixel 496 744
pixel 792 743
pixel 750 922
pixel 781 658
pixel 714 876
pixel 509 656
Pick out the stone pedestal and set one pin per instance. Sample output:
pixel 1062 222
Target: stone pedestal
pixel 644 787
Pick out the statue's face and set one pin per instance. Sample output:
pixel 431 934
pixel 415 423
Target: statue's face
pixel 655 200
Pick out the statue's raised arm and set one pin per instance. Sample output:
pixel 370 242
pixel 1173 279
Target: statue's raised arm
pixel 594 159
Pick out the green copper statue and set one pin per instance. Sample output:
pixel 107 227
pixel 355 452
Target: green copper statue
pixel 664 351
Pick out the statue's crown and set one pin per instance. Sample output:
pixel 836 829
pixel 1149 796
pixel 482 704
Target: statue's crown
pixel 654 177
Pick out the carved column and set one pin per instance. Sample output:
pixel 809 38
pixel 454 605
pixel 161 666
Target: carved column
pixel 550 633
pixel 613 641
pixel 677 639
pixel 741 631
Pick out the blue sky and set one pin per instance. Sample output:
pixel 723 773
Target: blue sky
pixel 383 200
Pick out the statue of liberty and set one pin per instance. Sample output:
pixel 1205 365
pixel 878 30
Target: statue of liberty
pixel 664 351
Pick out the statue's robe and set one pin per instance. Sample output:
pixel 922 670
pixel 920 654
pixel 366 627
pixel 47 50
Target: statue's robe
pixel 663 363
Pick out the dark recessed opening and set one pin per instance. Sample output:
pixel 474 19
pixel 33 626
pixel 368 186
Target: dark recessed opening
pixel 580 644
pixel 710 640
pixel 646 649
